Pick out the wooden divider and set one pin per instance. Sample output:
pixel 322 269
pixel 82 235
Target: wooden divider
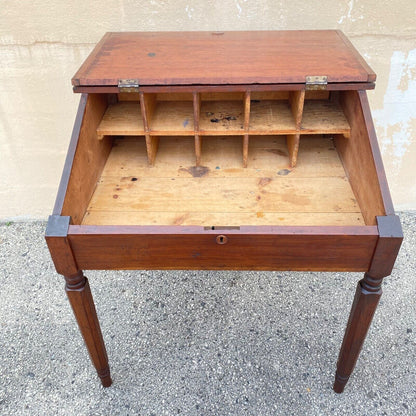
pixel 148 104
pixel 297 99
pixel 246 113
pixel 198 140
pixel 292 141
pixel 247 103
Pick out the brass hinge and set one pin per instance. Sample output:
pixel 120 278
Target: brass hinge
pixel 128 85
pixel 316 82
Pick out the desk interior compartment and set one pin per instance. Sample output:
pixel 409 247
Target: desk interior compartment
pixel 246 178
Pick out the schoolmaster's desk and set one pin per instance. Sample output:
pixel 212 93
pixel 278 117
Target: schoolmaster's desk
pixel 224 150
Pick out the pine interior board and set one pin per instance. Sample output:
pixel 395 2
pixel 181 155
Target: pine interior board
pixel 222 96
pixel 122 119
pixel 221 117
pixel 221 218
pixel 172 118
pixel 224 195
pixel 320 116
pixel 270 116
pixel 222 157
pixel 174 191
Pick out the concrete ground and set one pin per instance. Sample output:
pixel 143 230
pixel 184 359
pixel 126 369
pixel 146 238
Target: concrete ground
pixel 201 343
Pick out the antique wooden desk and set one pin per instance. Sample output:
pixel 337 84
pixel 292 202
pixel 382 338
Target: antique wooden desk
pixel 235 150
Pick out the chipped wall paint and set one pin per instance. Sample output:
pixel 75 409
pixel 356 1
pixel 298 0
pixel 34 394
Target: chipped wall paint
pixel 348 15
pixel 394 119
pixel 43 43
pixel 396 127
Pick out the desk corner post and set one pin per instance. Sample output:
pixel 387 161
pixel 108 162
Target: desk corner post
pixel 79 294
pixel 367 296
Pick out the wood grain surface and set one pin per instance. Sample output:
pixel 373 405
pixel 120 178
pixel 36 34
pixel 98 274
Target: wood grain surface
pixel 249 248
pixel 185 58
pixel 221 191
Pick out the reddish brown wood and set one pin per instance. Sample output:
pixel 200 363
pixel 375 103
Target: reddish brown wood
pixel 357 154
pixel 185 58
pixel 371 74
pixel 365 302
pixel 88 161
pixel 388 245
pixel 79 294
pixel 367 296
pixel 248 248
pixel 224 88
pixel 63 185
pixel 204 62
pixel 58 244
pixel 376 154
pixel 93 55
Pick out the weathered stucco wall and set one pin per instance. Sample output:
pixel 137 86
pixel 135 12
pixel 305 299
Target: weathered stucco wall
pixel 43 43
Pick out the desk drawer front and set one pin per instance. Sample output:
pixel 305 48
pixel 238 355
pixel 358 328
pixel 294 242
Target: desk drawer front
pixel 239 252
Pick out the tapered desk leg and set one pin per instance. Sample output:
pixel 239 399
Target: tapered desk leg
pixel 80 297
pixel 367 296
pixel 79 293
pixel 365 303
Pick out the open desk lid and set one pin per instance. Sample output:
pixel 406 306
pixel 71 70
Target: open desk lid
pixel 223 58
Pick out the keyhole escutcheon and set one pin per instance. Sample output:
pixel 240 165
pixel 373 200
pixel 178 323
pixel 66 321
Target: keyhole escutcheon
pixel 221 239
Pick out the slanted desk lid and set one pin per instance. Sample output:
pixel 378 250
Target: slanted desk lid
pixel 223 58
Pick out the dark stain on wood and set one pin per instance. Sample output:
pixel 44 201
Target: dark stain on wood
pixel 284 172
pixel 129 178
pixel 263 182
pixel 277 152
pixel 180 220
pixel 224 118
pixel 196 171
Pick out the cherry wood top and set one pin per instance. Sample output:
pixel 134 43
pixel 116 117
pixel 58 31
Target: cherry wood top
pixel 221 58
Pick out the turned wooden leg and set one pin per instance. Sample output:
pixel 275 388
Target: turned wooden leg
pixel 367 296
pixel 365 303
pixel 79 295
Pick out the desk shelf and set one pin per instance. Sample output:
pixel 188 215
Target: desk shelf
pixel 225 114
pixel 271 117
pixel 324 117
pixel 221 118
pixel 122 119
